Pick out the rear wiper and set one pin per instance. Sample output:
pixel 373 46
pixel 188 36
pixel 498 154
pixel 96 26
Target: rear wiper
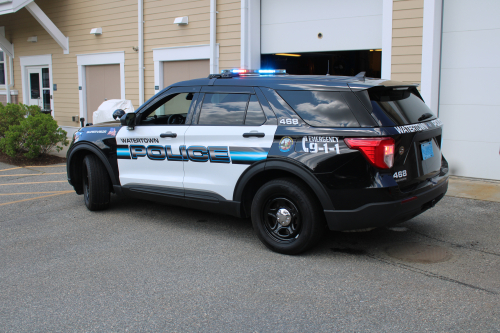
pixel 425 116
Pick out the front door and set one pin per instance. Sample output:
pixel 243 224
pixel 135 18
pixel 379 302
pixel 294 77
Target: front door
pixel 153 155
pixel 39 87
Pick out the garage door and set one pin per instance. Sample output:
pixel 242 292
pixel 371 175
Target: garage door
pixel 344 25
pixel 175 71
pixel 469 105
pixel 102 83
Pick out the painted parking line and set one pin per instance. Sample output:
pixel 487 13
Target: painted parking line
pixel 29 183
pixel 34 174
pixel 35 166
pixel 11 169
pixel 45 166
pixel 24 193
pixel 43 196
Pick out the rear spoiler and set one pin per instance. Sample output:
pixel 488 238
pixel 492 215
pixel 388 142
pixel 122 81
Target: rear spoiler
pixel 367 83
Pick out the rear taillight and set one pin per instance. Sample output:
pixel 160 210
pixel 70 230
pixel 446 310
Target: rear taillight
pixel 378 151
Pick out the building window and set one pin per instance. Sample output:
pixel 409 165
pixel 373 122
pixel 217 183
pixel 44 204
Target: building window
pixel 2 68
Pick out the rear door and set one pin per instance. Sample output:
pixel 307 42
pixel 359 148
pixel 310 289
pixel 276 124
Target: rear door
pixel 153 153
pixel 229 133
pixel 417 132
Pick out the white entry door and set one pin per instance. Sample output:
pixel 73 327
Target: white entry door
pixel 39 87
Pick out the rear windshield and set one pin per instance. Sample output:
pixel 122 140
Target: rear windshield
pixel 398 106
pixel 320 108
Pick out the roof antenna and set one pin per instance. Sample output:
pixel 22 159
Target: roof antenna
pixel 328 70
pixel 361 76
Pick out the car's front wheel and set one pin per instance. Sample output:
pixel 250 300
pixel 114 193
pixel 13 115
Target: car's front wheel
pixel 286 217
pixel 95 183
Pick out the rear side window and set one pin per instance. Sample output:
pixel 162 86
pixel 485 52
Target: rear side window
pixel 398 106
pixel 255 116
pixel 320 108
pixel 231 110
pixel 223 109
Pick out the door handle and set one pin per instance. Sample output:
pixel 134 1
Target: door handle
pixel 168 135
pixel 255 134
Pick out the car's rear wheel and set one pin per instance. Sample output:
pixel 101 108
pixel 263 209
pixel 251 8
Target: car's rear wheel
pixel 95 183
pixel 286 216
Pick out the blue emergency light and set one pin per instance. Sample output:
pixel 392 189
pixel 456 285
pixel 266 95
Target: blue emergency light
pixel 238 71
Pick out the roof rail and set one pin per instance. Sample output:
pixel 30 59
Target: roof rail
pixel 220 76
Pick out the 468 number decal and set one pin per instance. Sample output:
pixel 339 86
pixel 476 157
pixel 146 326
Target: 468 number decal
pixel 399 174
pixel 289 121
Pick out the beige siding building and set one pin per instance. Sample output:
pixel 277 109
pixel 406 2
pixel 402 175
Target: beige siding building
pixel 103 66
pixel 69 56
pixel 407 25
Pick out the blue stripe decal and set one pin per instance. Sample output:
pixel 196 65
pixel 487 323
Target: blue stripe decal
pixel 248 156
pixel 122 152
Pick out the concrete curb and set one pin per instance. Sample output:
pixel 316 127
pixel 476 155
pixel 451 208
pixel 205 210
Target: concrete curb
pixel 474 188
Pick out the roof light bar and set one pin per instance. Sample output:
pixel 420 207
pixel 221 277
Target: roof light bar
pixel 238 71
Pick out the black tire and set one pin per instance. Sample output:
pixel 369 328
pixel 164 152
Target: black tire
pixel 95 183
pixel 299 232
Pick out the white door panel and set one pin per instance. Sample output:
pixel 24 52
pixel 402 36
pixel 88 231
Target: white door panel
pixel 154 166
pixel 468 102
pixel 236 154
pixel 345 25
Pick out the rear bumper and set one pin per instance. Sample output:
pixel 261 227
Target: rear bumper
pixel 386 213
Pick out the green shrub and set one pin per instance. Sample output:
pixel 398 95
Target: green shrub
pixel 12 114
pixel 34 135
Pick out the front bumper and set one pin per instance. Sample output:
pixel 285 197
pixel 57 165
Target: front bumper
pixel 386 213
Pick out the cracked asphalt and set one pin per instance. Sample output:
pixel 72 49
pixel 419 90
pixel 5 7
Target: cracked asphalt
pixel 143 266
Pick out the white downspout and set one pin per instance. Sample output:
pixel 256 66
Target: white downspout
pixel 7 77
pixel 387 9
pixel 244 34
pixel 11 64
pixel 141 52
pixel 213 37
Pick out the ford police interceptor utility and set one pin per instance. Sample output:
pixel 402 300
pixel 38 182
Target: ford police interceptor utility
pixel 294 153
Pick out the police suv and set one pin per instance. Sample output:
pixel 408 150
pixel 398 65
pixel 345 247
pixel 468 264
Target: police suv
pixel 295 153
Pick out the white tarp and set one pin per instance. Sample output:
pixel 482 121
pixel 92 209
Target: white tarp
pixel 105 110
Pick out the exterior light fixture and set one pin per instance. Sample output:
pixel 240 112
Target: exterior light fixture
pixel 288 54
pixel 33 39
pixel 96 31
pixel 181 20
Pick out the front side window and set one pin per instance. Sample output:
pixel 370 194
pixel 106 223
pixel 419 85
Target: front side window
pixel 172 110
pixel 2 68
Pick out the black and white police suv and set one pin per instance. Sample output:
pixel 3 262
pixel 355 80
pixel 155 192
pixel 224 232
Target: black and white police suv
pixel 294 153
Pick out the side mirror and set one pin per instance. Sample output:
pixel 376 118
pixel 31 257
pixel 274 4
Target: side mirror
pixel 117 114
pixel 128 120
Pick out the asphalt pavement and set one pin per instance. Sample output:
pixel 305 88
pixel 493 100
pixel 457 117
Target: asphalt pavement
pixel 143 266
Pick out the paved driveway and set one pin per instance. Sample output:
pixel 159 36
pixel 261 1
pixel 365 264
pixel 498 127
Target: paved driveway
pixel 141 266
